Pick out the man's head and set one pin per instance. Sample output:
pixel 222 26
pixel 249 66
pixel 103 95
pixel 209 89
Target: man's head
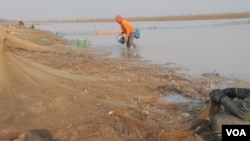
pixel 118 19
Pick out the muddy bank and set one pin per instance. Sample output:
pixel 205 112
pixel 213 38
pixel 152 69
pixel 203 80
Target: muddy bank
pixel 101 99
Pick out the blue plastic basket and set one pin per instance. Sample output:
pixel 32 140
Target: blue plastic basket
pixel 137 33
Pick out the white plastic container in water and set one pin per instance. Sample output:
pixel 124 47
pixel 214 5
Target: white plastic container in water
pixel 82 43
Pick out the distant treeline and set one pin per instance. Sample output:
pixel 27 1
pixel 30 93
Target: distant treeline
pixel 171 18
pixel 159 18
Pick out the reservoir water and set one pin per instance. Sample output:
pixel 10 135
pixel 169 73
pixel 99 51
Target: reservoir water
pixel 221 46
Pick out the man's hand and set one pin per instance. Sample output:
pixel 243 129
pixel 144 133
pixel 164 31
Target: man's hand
pixel 230 92
pixel 126 39
pixel 216 95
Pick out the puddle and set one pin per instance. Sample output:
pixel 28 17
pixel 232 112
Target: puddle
pixel 177 98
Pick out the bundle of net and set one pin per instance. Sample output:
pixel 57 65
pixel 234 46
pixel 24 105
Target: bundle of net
pixel 33 95
pixel 189 128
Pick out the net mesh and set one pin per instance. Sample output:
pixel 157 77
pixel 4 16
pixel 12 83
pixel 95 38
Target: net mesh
pixel 189 128
pixel 26 88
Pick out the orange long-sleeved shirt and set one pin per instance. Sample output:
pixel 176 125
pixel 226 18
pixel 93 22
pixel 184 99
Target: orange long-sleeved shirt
pixel 127 28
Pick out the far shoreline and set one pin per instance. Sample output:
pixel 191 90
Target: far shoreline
pixel 243 15
pixel 215 16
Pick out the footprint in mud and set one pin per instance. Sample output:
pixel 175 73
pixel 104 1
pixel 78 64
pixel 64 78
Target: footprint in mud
pixel 36 135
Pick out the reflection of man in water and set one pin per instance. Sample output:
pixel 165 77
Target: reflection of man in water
pixel 130 52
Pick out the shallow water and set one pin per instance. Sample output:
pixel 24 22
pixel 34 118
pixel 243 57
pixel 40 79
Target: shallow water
pixel 220 46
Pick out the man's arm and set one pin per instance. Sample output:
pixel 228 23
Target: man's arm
pixel 240 93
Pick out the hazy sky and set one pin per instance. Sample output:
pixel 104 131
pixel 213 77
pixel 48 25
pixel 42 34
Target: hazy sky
pixel 80 9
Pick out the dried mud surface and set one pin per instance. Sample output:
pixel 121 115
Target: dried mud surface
pixel 122 99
